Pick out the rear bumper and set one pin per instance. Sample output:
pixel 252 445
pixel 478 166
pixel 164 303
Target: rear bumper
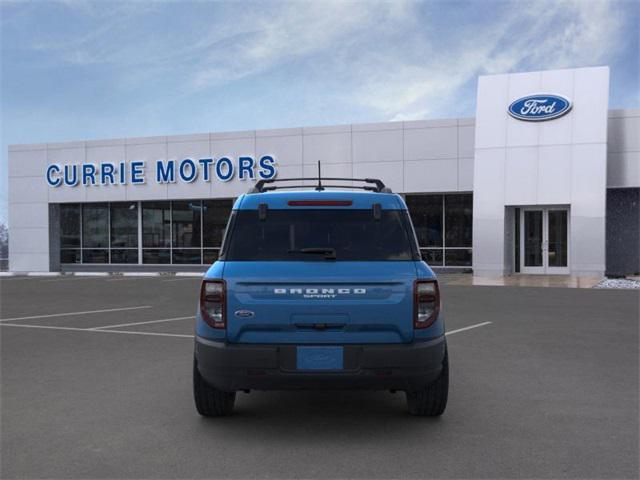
pixel 231 367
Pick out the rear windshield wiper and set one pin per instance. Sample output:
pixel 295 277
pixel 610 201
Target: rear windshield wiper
pixel 329 253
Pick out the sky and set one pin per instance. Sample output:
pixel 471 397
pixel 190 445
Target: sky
pixel 75 70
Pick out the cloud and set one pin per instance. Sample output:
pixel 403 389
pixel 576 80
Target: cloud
pixel 294 31
pixel 220 42
pixel 393 58
pixel 523 37
pixel 93 33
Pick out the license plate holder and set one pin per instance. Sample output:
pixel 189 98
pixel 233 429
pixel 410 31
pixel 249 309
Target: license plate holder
pixel 319 358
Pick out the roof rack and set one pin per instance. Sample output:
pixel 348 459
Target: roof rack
pixel 376 185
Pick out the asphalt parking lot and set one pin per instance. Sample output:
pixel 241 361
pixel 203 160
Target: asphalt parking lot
pixel 96 383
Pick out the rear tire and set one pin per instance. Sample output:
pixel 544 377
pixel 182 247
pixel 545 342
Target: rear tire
pixel 211 402
pixel 432 401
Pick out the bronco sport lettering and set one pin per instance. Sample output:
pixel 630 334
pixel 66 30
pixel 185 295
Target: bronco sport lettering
pixel 320 292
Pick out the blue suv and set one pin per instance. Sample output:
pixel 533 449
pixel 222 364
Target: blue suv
pixel 320 289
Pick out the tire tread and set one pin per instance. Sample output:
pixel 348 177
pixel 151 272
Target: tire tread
pixel 211 402
pixel 432 401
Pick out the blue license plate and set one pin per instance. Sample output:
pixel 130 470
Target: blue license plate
pixel 320 358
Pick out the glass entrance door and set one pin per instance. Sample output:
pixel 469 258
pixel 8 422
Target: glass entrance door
pixel 533 241
pixel 544 240
pixel 557 241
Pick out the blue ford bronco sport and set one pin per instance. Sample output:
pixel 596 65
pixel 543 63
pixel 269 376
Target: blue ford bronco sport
pixel 320 289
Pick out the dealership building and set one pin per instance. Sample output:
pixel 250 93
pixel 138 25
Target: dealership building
pixel 544 180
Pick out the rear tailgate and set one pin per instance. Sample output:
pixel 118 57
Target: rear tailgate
pixel 319 302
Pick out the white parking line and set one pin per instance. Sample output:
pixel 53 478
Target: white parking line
pixel 141 323
pixel 468 328
pixel 180 279
pixel 124 279
pixel 74 329
pixel 74 313
pixel 159 334
pixel 71 278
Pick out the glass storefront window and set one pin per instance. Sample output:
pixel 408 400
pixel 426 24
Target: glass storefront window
pixel 156 255
pixel 124 225
pixel 127 255
pixel 70 237
pixel 457 257
pixel 90 255
pixel 172 232
pixel 190 232
pixel 186 224
pixel 156 224
pixel 210 255
pixel 458 211
pixel 95 225
pixel 426 215
pixel 444 221
pixel 433 256
pixel 186 255
pixel 69 226
pixel 215 214
pixel 70 255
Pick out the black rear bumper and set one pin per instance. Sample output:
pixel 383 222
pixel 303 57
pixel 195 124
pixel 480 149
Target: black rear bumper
pixel 231 367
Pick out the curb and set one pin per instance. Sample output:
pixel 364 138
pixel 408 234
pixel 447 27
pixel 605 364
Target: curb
pixel 140 274
pixel 102 274
pixel 89 274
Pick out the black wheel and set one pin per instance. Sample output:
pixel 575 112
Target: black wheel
pixel 432 401
pixel 211 402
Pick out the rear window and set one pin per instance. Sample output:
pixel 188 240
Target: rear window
pixel 318 234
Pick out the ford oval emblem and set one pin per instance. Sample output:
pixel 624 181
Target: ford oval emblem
pixel 244 313
pixel 536 108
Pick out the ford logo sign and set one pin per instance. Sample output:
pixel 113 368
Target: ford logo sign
pixel 536 108
pixel 243 313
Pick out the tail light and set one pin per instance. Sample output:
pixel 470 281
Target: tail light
pixel 213 303
pixel 426 303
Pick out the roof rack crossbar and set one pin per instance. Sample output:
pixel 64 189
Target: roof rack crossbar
pixel 370 188
pixel 261 185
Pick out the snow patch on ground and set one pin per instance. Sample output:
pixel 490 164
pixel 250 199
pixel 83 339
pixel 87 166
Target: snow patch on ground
pixel 618 283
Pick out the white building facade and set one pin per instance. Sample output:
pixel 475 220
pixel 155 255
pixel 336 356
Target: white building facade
pixel 545 179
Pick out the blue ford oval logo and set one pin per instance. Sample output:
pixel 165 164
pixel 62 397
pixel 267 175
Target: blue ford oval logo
pixel 536 108
pixel 243 313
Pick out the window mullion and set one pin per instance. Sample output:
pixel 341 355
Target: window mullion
pixel 139 233
pixel 109 232
pixel 81 233
pixel 444 230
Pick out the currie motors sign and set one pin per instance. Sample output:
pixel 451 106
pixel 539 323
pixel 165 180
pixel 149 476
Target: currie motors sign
pixel 540 107
pixel 162 171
